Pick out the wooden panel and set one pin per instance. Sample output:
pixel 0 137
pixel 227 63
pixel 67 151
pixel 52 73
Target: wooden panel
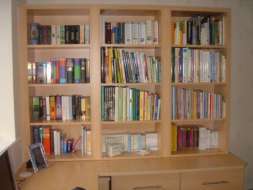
pixel 231 179
pixel 146 182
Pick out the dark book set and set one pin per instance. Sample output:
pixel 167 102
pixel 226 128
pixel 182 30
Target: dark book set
pixel 199 30
pixel 58 34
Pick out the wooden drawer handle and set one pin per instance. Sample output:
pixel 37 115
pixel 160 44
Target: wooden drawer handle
pixel 151 187
pixel 215 183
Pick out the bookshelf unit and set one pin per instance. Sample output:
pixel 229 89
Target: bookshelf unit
pixel 96 17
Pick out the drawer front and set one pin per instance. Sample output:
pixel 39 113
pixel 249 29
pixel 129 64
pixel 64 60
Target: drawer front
pixel 146 182
pixel 230 179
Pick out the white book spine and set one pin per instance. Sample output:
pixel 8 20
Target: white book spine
pixel 82 28
pixel 47 108
pixel 49 72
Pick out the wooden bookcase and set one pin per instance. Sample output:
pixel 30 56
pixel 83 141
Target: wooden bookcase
pixel 95 15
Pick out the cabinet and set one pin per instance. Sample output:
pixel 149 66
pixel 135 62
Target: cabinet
pixel 231 179
pixel 146 182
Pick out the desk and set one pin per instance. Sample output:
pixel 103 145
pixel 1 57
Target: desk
pixel 67 175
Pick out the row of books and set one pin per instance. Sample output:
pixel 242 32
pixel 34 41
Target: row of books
pixel 59 34
pixel 128 104
pixel 199 30
pixel 125 66
pixel 193 137
pixel 60 108
pixel 56 142
pixel 117 144
pixel 196 104
pixel 194 65
pixel 64 70
pixel 135 32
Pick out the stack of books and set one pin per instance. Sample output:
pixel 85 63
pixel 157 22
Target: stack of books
pixel 199 30
pixel 196 104
pixel 64 70
pixel 116 144
pixel 135 32
pixel 128 66
pixel 59 34
pixel 194 65
pixel 129 104
pixel 60 108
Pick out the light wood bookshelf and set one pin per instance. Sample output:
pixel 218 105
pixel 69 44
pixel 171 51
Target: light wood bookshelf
pixel 95 15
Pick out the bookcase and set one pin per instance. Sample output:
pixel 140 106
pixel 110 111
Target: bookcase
pixel 117 32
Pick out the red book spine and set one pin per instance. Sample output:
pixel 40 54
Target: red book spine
pixel 46 140
pixel 57 75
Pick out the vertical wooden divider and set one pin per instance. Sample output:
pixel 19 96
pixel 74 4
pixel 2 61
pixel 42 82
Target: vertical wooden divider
pixel 22 115
pixel 227 44
pixel 95 81
pixel 165 84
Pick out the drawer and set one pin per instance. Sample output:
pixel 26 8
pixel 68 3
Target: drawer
pixel 146 182
pixel 229 179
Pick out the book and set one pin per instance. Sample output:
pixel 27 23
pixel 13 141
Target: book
pixel 117 144
pixel 199 30
pixel 55 141
pixel 60 108
pixel 193 137
pixel 127 66
pixel 58 34
pixel 194 66
pixel 59 71
pixel 136 104
pixel 196 104
pixel 134 32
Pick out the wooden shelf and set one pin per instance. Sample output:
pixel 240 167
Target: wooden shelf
pixel 48 46
pixel 131 45
pixel 198 84
pixel 76 156
pixel 199 46
pixel 45 123
pixel 130 122
pixel 194 152
pixel 59 85
pixel 130 84
pixel 133 155
pixel 196 121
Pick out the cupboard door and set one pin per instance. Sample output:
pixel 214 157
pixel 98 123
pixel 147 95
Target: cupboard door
pixel 146 182
pixel 230 179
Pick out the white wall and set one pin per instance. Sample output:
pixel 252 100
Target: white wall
pixel 7 127
pixel 241 141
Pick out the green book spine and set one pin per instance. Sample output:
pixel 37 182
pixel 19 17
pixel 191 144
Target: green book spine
pixel 77 71
pixel 41 134
pixel 62 34
pixel 35 108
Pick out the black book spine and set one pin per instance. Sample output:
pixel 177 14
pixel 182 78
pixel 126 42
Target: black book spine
pixel 74 114
pixel 66 34
pixel 102 65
